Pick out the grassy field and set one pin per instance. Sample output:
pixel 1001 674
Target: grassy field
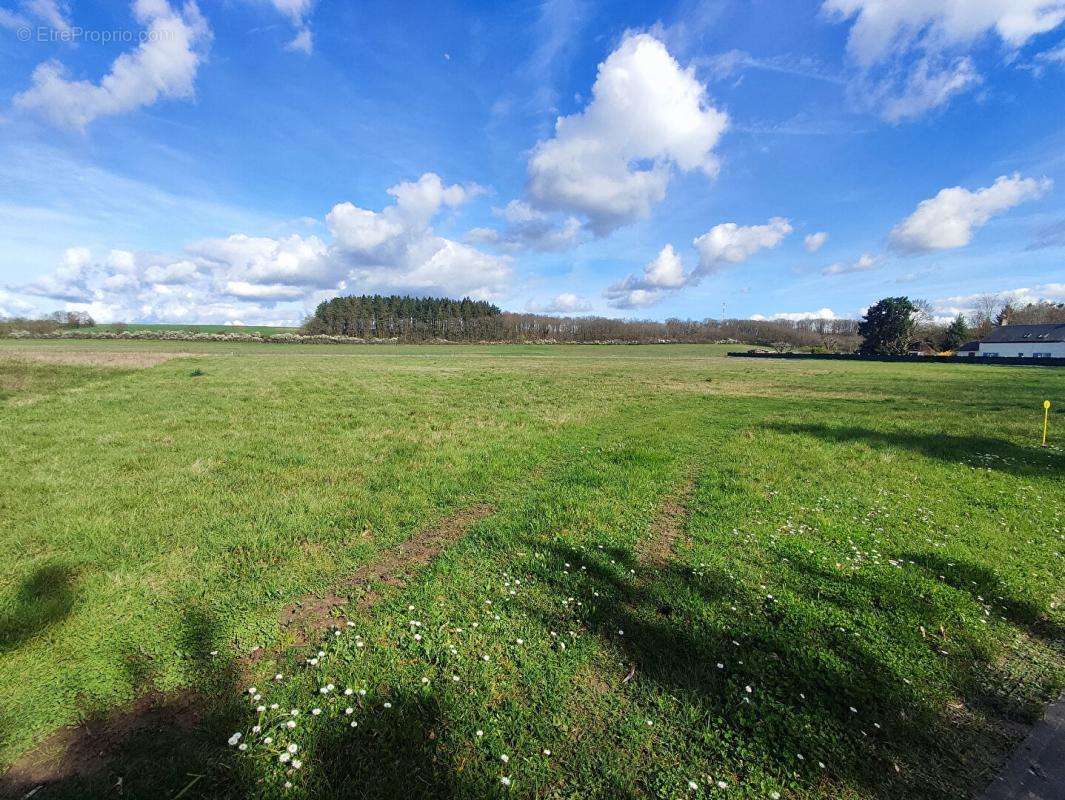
pixel 666 574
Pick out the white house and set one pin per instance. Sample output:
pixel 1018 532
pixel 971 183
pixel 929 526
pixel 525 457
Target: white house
pixel 1019 341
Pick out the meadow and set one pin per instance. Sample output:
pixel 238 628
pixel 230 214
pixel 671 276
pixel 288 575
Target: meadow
pixel 239 570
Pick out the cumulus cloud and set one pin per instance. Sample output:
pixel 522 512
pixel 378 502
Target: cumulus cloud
pixel 948 220
pixel 882 27
pixel 797 316
pixel 257 277
pixel 730 243
pixel 723 245
pixel 864 263
pixel 815 241
pixel 529 228
pixel 612 161
pixel 163 66
pixel 261 260
pixel 565 303
pixel 396 247
pixel 664 273
pixel 911 52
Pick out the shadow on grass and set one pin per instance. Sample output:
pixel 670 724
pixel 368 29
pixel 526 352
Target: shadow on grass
pixel 986 588
pixel 832 694
pixel 398 755
pixel 157 747
pixel 45 598
pixel 981 451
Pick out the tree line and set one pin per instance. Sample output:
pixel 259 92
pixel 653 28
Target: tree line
pixel 375 316
pixel 417 319
pixel 893 325
pixel 57 320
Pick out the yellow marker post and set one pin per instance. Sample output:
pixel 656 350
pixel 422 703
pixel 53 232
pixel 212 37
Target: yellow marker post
pixel 1046 420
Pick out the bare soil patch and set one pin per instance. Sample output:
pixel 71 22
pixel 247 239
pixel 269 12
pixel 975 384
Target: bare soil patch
pixel 84 751
pixel 393 567
pixel 668 526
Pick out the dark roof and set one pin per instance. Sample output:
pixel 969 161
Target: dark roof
pixel 970 346
pixel 1026 333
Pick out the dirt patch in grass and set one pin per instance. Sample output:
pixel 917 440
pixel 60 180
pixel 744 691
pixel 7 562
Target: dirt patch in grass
pixel 82 752
pixel 655 549
pixel 394 567
pixel 89 358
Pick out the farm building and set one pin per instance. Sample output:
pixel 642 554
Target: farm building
pixel 1024 341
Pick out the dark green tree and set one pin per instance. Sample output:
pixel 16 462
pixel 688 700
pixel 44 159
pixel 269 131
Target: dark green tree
pixel 888 327
pixel 957 333
pixel 408 318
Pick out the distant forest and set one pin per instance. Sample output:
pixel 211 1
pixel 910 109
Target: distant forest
pixel 431 319
pixel 419 319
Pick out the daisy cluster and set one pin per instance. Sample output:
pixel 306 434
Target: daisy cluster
pixel 485 650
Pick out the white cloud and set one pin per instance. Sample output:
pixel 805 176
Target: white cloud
pixel 864 263
pixel 723 245
pixel 665 272
pixel 302 42
pixel 544 236
pixel 565 303
pixel 815 241
pixel 259 291
pixel 1054 56
pixel 292 261
pixel 51 12
pixel 633 298
pixel 882 27
pixel 518 211
pixel 729 243
pixel 927 87
pixel 968 304
pixel 797 316
pixel 163 66
pixel 253 277
pixel 725 65
pixel 397 248
pixel 947 220
pixel 297 11
pixel 612 161
pixel 886 34
pixel 12 306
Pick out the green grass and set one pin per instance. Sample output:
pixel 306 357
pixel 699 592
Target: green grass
pixel 22 380
pixel 882 537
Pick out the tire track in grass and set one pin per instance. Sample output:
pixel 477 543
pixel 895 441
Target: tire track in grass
pixel 392 568
pixel 654 551
pixel 76 756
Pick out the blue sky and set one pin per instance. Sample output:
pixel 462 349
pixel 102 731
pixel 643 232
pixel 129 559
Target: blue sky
pixel 241 160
